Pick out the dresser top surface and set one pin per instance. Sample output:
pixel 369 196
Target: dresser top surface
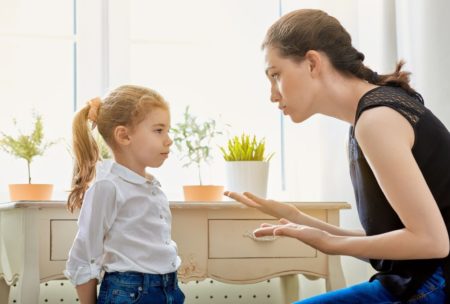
pixel 178 205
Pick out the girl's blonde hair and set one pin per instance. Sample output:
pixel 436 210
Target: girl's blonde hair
pixel 127 106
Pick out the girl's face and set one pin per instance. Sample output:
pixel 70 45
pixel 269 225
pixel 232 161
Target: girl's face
pixel 292 85
pixel 150 142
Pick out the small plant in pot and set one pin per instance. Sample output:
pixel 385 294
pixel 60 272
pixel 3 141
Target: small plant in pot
pixel 193 139
pixel 247 165
pixel 27 147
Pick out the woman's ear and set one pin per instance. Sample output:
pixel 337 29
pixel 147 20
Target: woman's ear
pixel 314 60
pixel 121 135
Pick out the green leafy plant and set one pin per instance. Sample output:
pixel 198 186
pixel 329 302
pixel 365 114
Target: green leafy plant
pixel 245 149
pixel 193 140
pixel 103 148
pixel 26 146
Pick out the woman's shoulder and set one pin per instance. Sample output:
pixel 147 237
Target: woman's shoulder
pixel 410 106
pixel 382 125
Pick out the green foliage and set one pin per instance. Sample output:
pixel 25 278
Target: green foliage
pixel 243 149
pixel 193 140
pixel 26 146
pixel 103 148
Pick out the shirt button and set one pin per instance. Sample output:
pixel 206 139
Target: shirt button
pixel 92 261
pixel 153 192
pixel 167 242
pixel 173 264
pixel 160 216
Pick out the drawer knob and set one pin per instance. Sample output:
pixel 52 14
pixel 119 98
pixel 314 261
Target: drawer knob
pixel 267 238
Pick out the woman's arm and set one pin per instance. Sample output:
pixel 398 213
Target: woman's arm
pixel 87 292
pixel 386 139
pixel 290 213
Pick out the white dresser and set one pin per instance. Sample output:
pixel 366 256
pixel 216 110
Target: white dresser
pixel 214 240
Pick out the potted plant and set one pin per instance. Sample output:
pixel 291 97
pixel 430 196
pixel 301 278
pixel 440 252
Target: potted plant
pixel 247 166
pixel 193 140
pixel 28 146
pixel 105 162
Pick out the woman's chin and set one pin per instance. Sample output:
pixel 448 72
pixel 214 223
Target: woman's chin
pixel 297 119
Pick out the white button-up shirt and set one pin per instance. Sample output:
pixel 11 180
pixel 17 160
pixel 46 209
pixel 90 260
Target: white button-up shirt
pixel 124 225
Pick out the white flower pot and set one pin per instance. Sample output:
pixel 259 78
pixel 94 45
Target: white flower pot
pixel 247 176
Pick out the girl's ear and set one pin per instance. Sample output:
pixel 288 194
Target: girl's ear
pixel 314 61
pixel 121 135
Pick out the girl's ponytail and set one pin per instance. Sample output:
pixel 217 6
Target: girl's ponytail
pixel 85 151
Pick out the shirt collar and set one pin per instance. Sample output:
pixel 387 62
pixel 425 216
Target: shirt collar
pixel 131 176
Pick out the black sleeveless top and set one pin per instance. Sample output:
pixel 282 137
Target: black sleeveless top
pixel 431 151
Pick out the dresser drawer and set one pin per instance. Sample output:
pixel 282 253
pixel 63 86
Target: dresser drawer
pixel 234 239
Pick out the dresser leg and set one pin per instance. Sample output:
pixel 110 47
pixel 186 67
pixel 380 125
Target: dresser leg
pixel 336 279
pixel 28 285
pixel 290 288
pixel 4 292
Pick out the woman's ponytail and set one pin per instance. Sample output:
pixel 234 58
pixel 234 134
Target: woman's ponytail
pixel 398 78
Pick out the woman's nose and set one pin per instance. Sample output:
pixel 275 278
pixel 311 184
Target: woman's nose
pixel 274 97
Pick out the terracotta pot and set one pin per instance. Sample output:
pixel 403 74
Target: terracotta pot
pixel 205 193
pixel 30 192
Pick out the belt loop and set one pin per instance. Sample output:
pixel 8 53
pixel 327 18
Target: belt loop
pixel 146 282
pixel 166 280
pixel 175 278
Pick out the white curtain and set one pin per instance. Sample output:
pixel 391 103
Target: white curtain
pixel 424 42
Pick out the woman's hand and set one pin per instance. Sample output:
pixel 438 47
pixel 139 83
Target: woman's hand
pixel 319 239
pixel 270 207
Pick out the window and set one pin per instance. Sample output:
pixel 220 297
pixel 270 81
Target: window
pixel 37 72
pixel 201 53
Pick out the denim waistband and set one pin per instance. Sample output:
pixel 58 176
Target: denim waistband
pixel 144 279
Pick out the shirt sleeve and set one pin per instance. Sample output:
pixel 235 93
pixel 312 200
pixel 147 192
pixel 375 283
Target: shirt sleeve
pixel 97 214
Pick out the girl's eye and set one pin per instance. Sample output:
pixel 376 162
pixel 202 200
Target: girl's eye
pixel 274 76
pixel 159 130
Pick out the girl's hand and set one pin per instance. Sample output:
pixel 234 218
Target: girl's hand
pixel 270 207
pixel 319 239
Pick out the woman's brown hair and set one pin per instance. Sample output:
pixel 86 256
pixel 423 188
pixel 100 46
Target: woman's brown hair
pixel 299 31
pixel 125 106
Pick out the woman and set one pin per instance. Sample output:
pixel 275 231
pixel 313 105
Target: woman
pixel 399 162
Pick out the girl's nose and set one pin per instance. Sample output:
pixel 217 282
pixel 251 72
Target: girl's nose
pixel 169 141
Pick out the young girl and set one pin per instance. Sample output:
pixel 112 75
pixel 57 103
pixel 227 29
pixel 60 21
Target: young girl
pixel 124 227
pixel 399 162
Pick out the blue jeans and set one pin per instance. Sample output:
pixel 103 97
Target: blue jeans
pixel 432 291
pixel 140 288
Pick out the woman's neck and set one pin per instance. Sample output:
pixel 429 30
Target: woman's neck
pixel 342 96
